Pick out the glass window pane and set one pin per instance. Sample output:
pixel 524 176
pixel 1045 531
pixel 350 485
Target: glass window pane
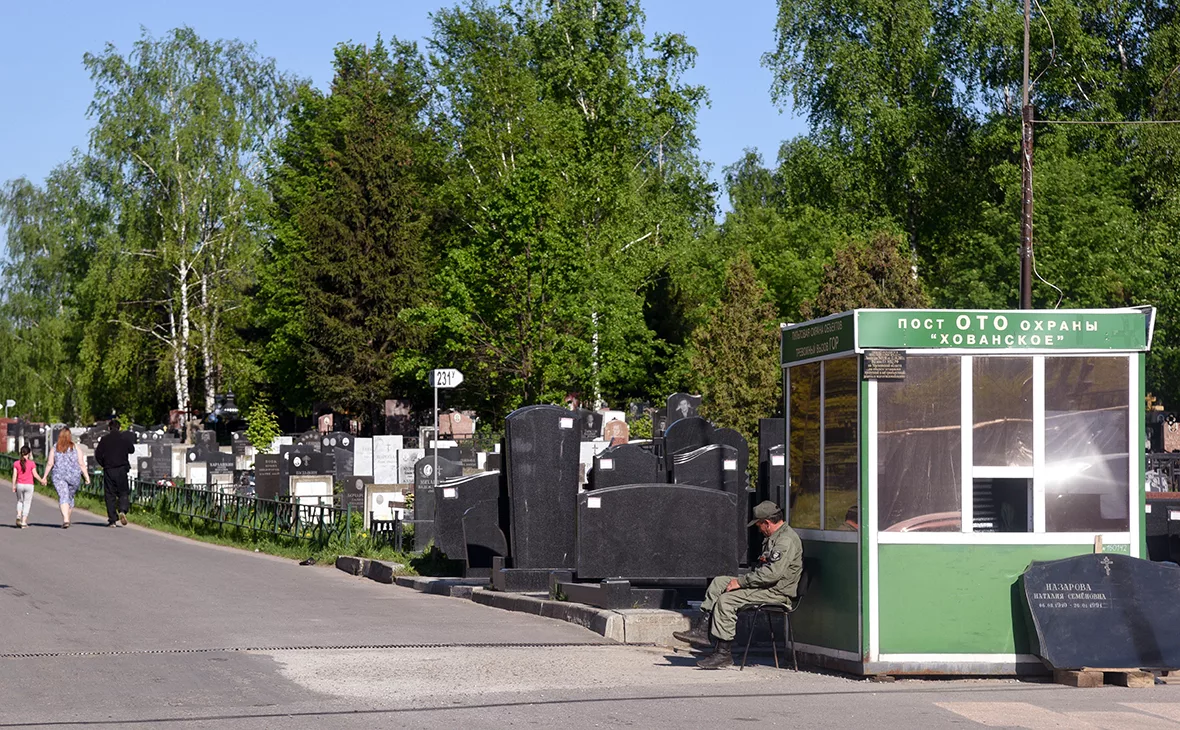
pixel 1086 444
pixel 840 467
pixel 919 458
pixel 1002 406
pixel 804 465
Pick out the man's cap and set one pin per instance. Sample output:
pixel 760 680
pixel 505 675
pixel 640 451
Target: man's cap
pixel 763 511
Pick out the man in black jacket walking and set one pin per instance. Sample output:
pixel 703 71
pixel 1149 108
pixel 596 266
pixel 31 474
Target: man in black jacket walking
pixel 111 455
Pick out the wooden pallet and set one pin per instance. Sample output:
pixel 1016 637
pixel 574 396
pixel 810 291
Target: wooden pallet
pixel 1098 676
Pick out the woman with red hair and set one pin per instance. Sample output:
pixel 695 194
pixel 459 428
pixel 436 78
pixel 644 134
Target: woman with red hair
pixel 67 468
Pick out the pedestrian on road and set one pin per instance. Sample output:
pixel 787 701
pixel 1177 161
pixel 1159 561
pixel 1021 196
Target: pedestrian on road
pixel 111 455
pixel 775 579
pixel 24 471
pixel 67 468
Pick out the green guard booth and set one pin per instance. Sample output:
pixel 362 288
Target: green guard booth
pixel 933 454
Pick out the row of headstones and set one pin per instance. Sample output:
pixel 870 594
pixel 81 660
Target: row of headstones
pixel 642 515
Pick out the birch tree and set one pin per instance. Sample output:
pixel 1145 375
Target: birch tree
pixel 181 127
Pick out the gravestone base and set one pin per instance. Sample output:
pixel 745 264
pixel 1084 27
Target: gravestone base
pixel 522 580
pixel 616 594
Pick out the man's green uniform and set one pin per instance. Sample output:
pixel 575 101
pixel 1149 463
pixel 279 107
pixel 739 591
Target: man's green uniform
pixel 774 580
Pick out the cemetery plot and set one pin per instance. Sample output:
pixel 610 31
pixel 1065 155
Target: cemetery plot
pixel 482 537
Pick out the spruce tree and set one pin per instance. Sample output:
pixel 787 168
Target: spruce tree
pixel 735 354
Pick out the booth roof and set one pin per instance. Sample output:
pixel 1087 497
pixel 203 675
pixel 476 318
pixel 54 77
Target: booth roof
pixel 970 330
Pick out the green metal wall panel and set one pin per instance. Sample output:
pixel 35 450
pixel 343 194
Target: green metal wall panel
pixel 958 598
pixel 830 613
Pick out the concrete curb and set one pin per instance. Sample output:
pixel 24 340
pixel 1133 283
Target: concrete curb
pixel 452 587
pixel 623 626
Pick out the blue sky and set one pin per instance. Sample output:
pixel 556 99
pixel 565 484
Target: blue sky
pixel 46 90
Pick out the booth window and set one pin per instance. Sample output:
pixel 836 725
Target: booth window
pixel 804 442
pixel 840 444
pixel 1002 392
pixel 919 454
pixel 1086 444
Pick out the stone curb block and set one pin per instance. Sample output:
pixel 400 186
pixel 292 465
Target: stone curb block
pixel 380 572
pixel 606 623
pixel 351 565
pixel 436 586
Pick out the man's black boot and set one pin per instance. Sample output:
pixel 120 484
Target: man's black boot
pixel 698 632
pixel 720 658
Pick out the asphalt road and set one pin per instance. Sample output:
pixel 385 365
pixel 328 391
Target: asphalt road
pixel 126 627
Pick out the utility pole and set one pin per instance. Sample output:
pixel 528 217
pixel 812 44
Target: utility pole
pixel 1026 162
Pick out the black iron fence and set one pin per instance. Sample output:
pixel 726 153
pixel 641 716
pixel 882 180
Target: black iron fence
pixel 1163 473
pixel 317 524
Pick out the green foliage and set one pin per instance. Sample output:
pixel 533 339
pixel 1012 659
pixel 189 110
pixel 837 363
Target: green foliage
pixel 872 275
pixel 734 354
pixel 262 427
pixel 354 192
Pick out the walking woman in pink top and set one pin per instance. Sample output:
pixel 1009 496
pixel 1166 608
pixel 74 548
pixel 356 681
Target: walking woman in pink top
pixel 24 472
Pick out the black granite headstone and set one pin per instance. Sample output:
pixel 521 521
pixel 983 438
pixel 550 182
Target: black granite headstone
pixel 772 432
pixel 344 459
pixel 693 536
pixel 589 425
pixel 337 440
pixel 682 405
pixel 687 434
pixel 776 477
pixel 425 483
pixel 206 438
pixel 468 453
pixel 542 450
pixel 161 461
pixel 714 466
pixel 239 443
pixel 144 469
pixel 267 474
pixel 220 465
pixel 482 537
pixel 1104 610
pixel 730 437
pixel 625 464
pixel 493 462
pixel 354 493
pixel 452 499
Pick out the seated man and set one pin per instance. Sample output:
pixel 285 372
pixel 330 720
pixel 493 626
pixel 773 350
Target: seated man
pixel 773 580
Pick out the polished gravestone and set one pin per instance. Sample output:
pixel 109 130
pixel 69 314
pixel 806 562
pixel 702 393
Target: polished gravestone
pixel 589 425
pixel 647 531
pixel 741 447
pixel 336 440
pixel 1105 611
pixel 353 497
pixel 425 483
pixel 542 447
pixel 239 443
pixel 219 470
pixel 775 477
pixel 344 460
pixel 687 434
pixel 772 433
pixel 267 474
pixel 483 539
pixel 714 466
pixel 681 405
pixel 452 499
pixel 625 464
